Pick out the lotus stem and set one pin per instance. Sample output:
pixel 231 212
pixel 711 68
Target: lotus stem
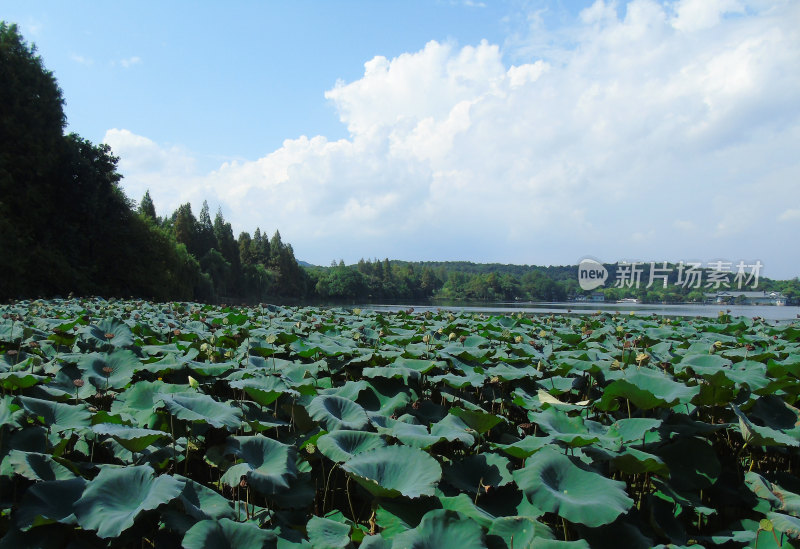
pixel 327 483
pixel 174 451
pixel 349 501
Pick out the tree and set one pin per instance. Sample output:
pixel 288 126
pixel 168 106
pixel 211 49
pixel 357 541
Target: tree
pixel 146 207
pixel 206 238
pixel 246 255
pixel 260 248
pixel 227 246
pixel 184 227
pixel 32 124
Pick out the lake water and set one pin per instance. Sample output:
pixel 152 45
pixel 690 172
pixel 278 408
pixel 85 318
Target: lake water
pixel 783 314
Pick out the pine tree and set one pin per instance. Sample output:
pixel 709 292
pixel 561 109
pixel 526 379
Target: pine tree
pixel 147 208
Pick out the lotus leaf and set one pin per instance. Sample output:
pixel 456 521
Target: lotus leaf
pixel 394 470
pixel 340 446
pixel 327 534
pixel 49 501
pixel 335 412
pixel 112 501
pixel 200 407
pixel 552 482
pixel 227 534
pixel 268 465
pixel 441 528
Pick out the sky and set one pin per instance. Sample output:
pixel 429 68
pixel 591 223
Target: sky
pixel 520 131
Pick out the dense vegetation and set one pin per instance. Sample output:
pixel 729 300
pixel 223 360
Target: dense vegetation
pixel 129 424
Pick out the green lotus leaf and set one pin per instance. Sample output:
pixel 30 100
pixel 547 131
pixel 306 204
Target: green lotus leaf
pixel 452 428
pixel 122 364
pixel 201 407
pixel 646 389
pixel 516 531
pixel 787 524
pixel 465 505
pixel 779 498
pixel 10 413
pixel 552 482
pixel 774 412
pixel 349 389
pixel 56 415
pixel 109 331
pixel 324 533
pixel 202 503
pixel 477 419
pixel 441 528
pixel 526 447
pixel 511 373
pixel 569 430
pixel 410 434
pixel 375 542
pixel 49 501
pixel 335 412
pixel 133 439
pixel 36 466
pixel 263 390
pixel 421 366
pixel 340 446
pixel 758 435
pixel 268 465
pixel 169 363
pixel 394 470
pixel 141 399
pixel 703 364
pixel 14 381
pixel 112 501
pixel 634 461
pixel 478 473
pixel 636 429
pixel 391 372
pixel 227 534
pixel 212 369
pixel 468 378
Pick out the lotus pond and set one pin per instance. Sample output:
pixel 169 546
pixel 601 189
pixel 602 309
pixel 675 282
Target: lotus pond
pixel 135 424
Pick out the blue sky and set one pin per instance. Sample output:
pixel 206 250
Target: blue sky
pixel 534 132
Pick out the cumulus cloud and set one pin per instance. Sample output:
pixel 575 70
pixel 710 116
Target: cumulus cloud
pixel 647 126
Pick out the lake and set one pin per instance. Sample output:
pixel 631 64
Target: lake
pixel 783 314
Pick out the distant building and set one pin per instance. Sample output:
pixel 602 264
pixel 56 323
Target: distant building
pixel 746 298
pixel 594 296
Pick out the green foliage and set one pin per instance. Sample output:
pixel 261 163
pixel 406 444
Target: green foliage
pixel 298 426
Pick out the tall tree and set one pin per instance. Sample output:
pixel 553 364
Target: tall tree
pixel 206 239
pixel 146 207
pixel 184 226
pixel 32 123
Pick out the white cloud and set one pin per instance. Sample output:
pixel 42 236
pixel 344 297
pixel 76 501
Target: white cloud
pixel 647 126
pixel 130 61
pixel 81 60
pixel 792 214
pixel 693 15
pixel 169 173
